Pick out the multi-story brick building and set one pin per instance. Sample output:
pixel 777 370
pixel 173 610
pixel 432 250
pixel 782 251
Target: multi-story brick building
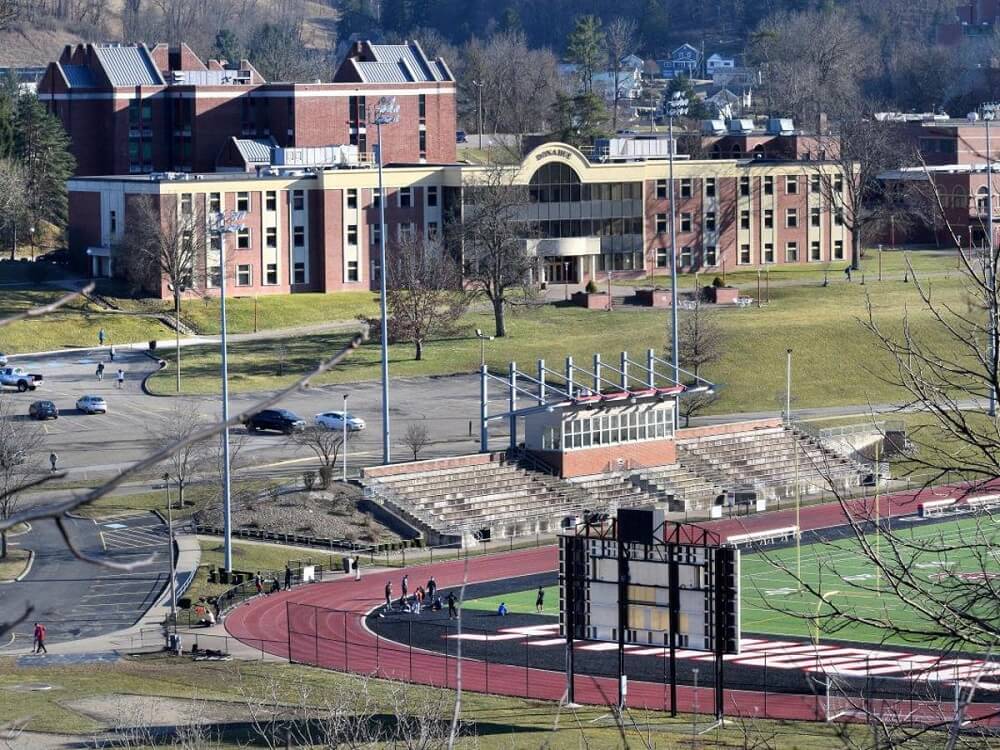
pixel 129 109
pixel 317 229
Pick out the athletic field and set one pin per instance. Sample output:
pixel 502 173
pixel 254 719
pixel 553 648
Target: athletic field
pixel 773 605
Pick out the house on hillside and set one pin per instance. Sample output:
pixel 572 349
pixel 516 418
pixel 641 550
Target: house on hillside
pixel 718 62
pixel 683 62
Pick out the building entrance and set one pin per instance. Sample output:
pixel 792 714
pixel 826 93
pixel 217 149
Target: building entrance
pixel 562 270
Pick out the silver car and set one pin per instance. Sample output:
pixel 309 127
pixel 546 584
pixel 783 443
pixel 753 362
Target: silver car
pixel 92 405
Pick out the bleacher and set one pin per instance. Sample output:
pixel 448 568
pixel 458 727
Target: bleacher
pixel 765 458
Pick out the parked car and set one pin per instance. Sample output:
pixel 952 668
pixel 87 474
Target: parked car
pixel 43 410
pixel 20 379
pixel 460 137
pixel 334 420
pixel 3 359
pixel 92 405
pixel 279 420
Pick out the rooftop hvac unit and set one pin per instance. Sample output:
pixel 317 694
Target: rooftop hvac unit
pixel 741 127
pixel 713 127
pixel 780 126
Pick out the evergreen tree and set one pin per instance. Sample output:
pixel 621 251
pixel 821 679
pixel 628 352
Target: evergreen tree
pixel 580 119
pixel 227 46
pixel 585 48
pixel 41 146
pixel 8 107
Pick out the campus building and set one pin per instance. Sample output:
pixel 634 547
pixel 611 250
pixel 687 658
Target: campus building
pixel 314 226
pixel 130 109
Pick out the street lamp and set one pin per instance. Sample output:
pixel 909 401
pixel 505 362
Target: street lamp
pixel 483 338
pixel 343 423
pixel 479 85
pixel 31 232
pixel 170 547
pixel 229 222
pixel 676 106
pixel 384 112
pixel 989 111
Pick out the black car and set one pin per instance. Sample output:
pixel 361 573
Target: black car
pixel 279 420
pixel 43 410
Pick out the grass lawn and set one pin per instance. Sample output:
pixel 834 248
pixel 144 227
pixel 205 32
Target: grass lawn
pixel 14 564
pixel 74 325
pixel 500 723
pixel 519 601
pixel 196 496
pixel 834 358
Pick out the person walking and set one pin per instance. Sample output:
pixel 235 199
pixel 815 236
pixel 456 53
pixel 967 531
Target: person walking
pixel 100 337
pixel 388 598
pixel 288 578
pixel 53 459
pixel 431 588
pixel 258 582
pixel 39 634
pixel 847 273
pixel 121 378
pixel 357 568
pixel 405 585
pixel 418 597
pixel 111 352
pixel 100 371
pixel 540 600
pixel 452 609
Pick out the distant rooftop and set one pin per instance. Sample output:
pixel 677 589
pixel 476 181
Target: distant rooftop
pixel 391 63
pixel 128 65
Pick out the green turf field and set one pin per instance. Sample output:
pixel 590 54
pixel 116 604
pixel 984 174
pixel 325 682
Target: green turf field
pixel 772 605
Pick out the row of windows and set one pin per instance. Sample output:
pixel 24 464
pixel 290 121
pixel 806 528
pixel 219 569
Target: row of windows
pixel 610 429
pixel 588 228
pixel 620 261
pixel 791 185
pixel 709 255
pixel 576 192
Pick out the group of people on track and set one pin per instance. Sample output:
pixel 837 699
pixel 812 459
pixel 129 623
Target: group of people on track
pixel 423 597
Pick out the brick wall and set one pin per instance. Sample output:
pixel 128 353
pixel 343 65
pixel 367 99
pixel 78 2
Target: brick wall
pixel 728 429
pixel 608 458
pixel 434 464
pixel 85 213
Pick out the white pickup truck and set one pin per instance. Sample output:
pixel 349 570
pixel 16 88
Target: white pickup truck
pixel 16 377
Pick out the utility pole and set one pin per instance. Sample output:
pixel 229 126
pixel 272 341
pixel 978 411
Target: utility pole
pixel 170 556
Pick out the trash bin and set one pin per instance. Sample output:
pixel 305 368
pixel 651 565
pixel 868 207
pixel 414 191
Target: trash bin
pixel 152 345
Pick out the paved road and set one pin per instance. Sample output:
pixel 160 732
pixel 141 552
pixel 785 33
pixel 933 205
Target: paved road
pixel 77 599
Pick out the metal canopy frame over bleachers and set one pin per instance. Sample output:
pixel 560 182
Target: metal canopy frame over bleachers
pixel 631 380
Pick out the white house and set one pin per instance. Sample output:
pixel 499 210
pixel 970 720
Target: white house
pixel 718 62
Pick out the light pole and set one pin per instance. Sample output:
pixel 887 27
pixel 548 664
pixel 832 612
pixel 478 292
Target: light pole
pixel 677 106
pixel 989 111
pixel 31 233
pixel 343 423
pixel 229 222
pixel 788 386
pixel 170 548
pixel 483 338
pixel 479 85
pixel 385 112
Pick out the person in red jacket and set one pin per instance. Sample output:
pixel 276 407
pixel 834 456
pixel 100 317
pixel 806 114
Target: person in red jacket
pixel 39 640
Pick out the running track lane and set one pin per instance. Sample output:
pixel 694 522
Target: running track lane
pixel 347 645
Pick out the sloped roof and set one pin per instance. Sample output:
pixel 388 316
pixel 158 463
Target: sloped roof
pixel 255 150
pixel 79 76
pixel 128 65
pixel 396 63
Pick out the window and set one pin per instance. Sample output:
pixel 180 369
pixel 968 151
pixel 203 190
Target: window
pixel 270 201
pixel 768 186
pixel 271 273
pixel 838 250
pixel 299 236
pixel 243 239
pixel 686 257
pixel 113 222
pixel 432 195
pixel 685 222
pixel 744 186
pixel 814 251
pixel 709 187
pixel 352 270
pixel 662 257
pixel 214 202
pixel 407 231
pixel 710 221
pixel 744 219
pixel 422 106
pixel 299 273
pixel 791 252
pixel 661 188
pixel 838 217
pixel 422 143
pixel 374 233
pixel 432 230
pixel 745 254
pixel 791 184
pixel 352 234
pixel 405 197
pixel 243 201
pixel 213 276
pixel 244 276
pixel 661 223
pixel 298 200
pixel 838 183
pixel 768 252
pixel 814 183
pixel 352 198
pixel 814 216
pixel 185 204
pixel 686 187
pixel 711 255
pixel 768 219
pixel 791 217
pixel 376 198
pixel 271 237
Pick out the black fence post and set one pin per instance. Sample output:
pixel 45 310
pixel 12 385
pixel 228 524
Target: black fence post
pixel 765 684
pixel 346 657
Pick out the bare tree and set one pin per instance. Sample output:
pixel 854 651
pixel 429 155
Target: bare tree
pixel 620 37
pixel 166 243
pixel 10 11
pixel 416 438
pixel 20 441
pixel 424 296
pixel 179 423
pixel 324 443
pixel 700 342
pixel 495 253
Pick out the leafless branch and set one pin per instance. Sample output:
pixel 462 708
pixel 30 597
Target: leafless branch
pixel 37 312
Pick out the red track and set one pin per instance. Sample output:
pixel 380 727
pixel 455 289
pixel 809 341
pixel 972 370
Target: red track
pixel 345 644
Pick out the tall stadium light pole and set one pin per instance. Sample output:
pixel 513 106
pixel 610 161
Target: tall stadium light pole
pixel 989 113
pixel 343 423
pixel 795 454
pixel 229 222
pixel 677 106
pixel 385 112
pixel 170 550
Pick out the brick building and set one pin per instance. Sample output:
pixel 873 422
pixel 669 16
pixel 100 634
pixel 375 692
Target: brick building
pixel 316 228
pixel 972 18
pixel 130 109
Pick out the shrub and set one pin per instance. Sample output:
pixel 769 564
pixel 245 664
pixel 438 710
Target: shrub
pixel 309 480
pixel 591 287
pixel 717 282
